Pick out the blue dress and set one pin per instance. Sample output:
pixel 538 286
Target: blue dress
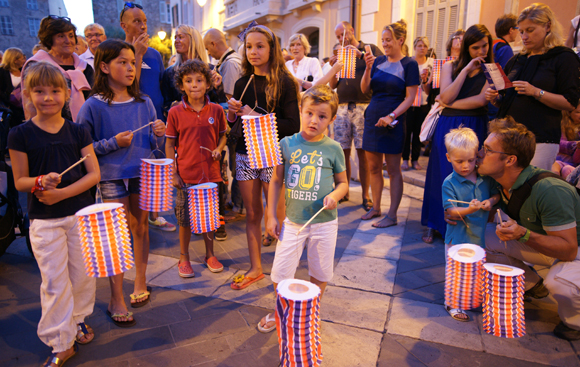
pixel 389 82
pixel 439 168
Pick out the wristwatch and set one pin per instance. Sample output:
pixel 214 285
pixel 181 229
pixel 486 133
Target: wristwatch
pixel 392 115
pixel 540 95
pixel 525 237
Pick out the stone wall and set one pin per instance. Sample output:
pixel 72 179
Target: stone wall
pixel 19 14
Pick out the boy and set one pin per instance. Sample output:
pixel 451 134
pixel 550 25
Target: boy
pixel 506 30
pixel 196 131
pixel 312 163
pixel 465 185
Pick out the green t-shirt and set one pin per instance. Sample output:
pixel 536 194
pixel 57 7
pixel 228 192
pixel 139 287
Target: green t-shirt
pixel 309 169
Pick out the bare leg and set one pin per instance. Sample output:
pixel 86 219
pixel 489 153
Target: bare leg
pixel 347 163
pixel 208 239
pixel 375 163
pixel 396 190
pixel 184 238
pixel 363 172
pixel 140 232
pixel 252 198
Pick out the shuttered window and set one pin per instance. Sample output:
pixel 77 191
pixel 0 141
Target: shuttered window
pixel 437 20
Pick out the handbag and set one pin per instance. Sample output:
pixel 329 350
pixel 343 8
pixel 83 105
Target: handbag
pixel 430 123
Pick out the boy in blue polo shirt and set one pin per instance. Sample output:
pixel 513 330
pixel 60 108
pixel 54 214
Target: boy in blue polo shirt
pixel 465 185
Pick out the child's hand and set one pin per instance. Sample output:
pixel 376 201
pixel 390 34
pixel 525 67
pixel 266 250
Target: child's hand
pixel 329 202
pixel 177 181
pixel 159 128
pixel 50 181
pixel 216 79
pixel 475 204
pixel 216 154
pixel 248 111
pixel 124 139
pixel 337 67
pixel 234 105
pixel 486 205
pixel 273 227
pixel 49 197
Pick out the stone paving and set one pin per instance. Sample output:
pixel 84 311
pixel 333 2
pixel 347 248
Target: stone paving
pixel 383 307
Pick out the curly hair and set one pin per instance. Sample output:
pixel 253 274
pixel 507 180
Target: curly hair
pixel 51 26
pixel 188 68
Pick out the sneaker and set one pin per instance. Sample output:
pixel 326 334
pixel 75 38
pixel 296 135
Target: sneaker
pixel 213 264
pixel 220 234
pixel 538 291
pixel 185 270
pixel 562 331
pixel 162 224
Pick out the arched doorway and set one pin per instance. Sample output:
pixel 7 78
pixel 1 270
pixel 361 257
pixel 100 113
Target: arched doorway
pixel 313 36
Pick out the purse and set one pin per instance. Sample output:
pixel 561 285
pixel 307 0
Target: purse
pixel 430 123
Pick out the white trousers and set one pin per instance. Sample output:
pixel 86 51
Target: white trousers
pixel 545 155
pixel 67 294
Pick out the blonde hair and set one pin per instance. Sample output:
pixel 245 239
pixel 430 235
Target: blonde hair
pixel 42 74
pixel 569 128
pixel 302 39
pixel 541 14
pixel 196 47
pixel 321 94
pixel 398 30
pixel 10 56
pixel 94 26
pixel 461 138
pixel 425 41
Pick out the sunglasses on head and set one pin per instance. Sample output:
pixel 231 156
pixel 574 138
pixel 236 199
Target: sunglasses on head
pixel 58 17
pixel 130 6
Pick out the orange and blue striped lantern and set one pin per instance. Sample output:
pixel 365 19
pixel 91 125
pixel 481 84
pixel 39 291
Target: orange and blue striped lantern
pixel 298 323
pixel 204 212
pixel 463 276
pixel 437 66
pixel 503 305
pixel 105 240
pixel 156 185
pixel 261 135
pixel 348 58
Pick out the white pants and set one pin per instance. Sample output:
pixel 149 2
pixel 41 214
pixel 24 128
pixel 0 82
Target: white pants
pixel 321 245
pixel 563 279
pixel 545 155
pixel 67 294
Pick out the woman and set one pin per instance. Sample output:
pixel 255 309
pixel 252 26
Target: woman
pixel 463 87
pixel 453 46
pixel 10 90
pixel 416 114
pixel 306 70
pixel 545 77
pixel 393 79
pixel 58 35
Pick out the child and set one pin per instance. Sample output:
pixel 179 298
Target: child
pixel 312 163
pixel 40 149
pixel 193 126
pixel 569 155
pixel 464 184
pixel 272 90
pixel 116 108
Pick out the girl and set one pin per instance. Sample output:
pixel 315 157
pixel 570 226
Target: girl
pixel 115 108
pixel 463 86
pixel 273 90
pixel 40 149
pixel 569 154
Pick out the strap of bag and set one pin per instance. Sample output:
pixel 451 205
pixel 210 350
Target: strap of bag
pixel 521 194
pixel 576 33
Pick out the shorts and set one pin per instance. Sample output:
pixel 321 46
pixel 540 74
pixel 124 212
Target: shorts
pixel 182 206
pixel 350 124
pixel 245 173
pixel 118 189
pixel 321 246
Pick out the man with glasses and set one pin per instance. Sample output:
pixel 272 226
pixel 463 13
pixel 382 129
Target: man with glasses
pixel 546 232
pixel 94 34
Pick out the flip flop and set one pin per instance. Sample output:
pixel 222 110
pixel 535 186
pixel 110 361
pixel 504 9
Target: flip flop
pixel 269 318
pixel 84 329
pixel 455 312
pixel 122 323
pixel 429 236
pixel 237 283
pixel 372 216
pixel 53 359
pixel 393 222
pixel 367 204
pixel 135 297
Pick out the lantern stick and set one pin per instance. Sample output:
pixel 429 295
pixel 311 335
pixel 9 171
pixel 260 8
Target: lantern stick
pixel 74 165
pixel 310 220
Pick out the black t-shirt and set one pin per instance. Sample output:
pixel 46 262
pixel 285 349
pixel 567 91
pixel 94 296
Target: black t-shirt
pixel 53 153
pixel 348 90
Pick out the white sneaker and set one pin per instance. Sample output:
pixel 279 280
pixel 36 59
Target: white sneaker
pixel 162 224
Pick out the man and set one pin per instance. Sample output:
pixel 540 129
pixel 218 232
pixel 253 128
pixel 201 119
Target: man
pixel 229 64
pixel 149 65
pixel 81 46
pixel 94 34
pixel 546 233
pixel 506 29
pixel 349 123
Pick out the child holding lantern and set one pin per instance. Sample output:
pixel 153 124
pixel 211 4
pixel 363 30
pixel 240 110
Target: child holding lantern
pixel 40 149
pixel 196 132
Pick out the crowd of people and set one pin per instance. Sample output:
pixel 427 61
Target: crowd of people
pixel 76 97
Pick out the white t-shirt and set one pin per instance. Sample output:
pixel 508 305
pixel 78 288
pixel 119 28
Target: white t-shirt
pixel 15 80
pixel 88 57
pixel 427 64
pixel 307 66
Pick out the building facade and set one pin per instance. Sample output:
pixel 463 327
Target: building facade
pixel 20 20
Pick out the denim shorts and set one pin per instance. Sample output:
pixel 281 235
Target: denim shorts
pixel 118 189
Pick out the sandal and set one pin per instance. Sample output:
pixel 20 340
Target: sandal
pixel 405 166
pixel 417 166
pixel 268 318
pixel 429 236
pixel 84 330
pixel 53 359
pixel 393 222
pixel 369 216
pixel 127 323
pixel 268 240
pixel 455 312
pixel 345 198
pixel 367 204
pixel 135 297
pixel 243 281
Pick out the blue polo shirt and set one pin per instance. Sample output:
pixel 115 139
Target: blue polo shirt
pixel 457 187
pixel 150 81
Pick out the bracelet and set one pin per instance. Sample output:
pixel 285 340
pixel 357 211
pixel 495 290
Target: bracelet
pixel 38 186
pixel 228 118
pixel 525 237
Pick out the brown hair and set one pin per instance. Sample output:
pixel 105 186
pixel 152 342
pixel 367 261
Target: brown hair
pixel 321 94
pixel 459 32
pixel 504 23
pixel 569 128
pixel 191 67
pixel 474 34
pixel 42 74
pixel 52 25
pixel 515 139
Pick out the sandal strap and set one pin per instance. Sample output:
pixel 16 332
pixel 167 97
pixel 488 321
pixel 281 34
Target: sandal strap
pixel 135 297
pixel 82 328
pixel 127 315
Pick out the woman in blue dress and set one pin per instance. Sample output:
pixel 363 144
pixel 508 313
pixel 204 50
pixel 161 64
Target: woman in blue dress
pixel 393 80
pixel 463 87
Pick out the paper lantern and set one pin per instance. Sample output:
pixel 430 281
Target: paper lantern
pixel 156 185
pixel 503 306
pixel 463 276
pixel 348 57
pixel 261 134
pixel 105 240
pixel 298 323
pixel 204 215
pixel 437 66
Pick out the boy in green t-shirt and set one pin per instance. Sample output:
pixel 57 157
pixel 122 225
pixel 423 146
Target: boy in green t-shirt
pixel 312 163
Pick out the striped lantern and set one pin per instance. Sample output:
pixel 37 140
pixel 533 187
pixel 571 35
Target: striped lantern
pixel 503 306
pixel 261 135
pixel 437 66
pixel 298 323
pixel 105 240
pixel 348 57
pixel 463 276
pixel 204 215
pixel 156 185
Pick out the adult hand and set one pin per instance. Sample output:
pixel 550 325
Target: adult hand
pixel 425 75
pixel 177 181
pixel 124 139
pixel 509 230
pixel 369 60
pixel 216 78
pixel 526 88
pixel 159 128
pixel 356 50
pixel 49 197
pixel 333 59
pixel 50 181
pixel 234 105
pixel 474 64
pixel 273 227
pixel 329 202
pixel 450 219
pixel 384 121
pixel 491 94
pixel 141 44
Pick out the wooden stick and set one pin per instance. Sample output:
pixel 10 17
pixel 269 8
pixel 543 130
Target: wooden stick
pixel 343 36
pixel 459 201
pixel 209 150
pixel 499 222
pixel 460 216
pixel 74 165
pixel 142 127
pixel 247 85
pixel 310 220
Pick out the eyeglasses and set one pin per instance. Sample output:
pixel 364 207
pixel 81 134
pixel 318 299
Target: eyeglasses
pixel 91 35
pixel 130 6
pixel 486 151
pixel 58 17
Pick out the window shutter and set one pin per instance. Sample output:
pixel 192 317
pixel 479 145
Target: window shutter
pixel 163 12
pixel 441 33
pixel 453 12
pixel 419 25
pixel 429 30
pixel 420 3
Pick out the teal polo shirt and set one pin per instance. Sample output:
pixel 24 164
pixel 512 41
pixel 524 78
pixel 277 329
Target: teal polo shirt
pixel 553 204
pixel 457 187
